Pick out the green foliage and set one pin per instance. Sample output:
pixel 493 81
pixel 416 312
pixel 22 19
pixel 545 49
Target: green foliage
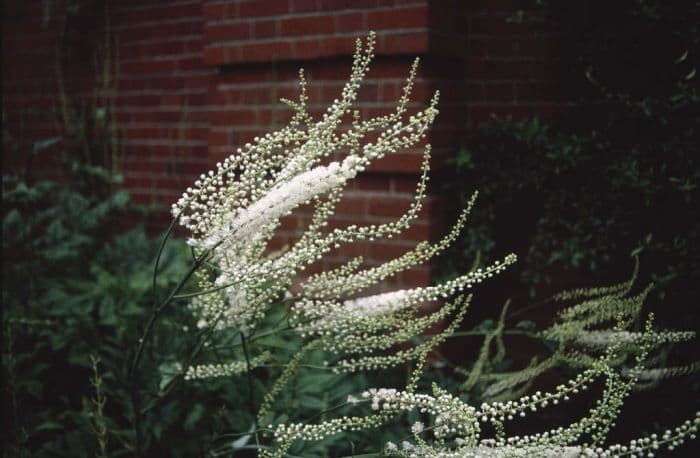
pixel 67 295
pixel 73 291
pixel 589 186
pixel 575 203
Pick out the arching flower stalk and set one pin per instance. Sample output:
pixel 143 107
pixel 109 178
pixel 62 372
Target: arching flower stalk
pixel 232 213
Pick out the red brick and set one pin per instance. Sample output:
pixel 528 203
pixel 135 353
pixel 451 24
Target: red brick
pixel 306 25
pixel 195 133
pixel 218 138
pixel 128 84
pixel 158 12
pixel 498 92
pixel 398 18
pixel 398 163
pixel 494 24
pixel 539 46
pixel 214 55
pixel 404 184
pixel 262 52
pixel 483 113
pixel 417 232
pixel 485 69
pixel 417 276
pixel 148 67
pixel 493 5
pixel 334 46
pixel 307 49
pixel 389 207
pixel 227 31
pixel 255 8
pixel 143 100
pixel 501 47
pixel 303 6
pixel 474 92
pixel 162 82
pixel 190 63
pixel 213 11
pixel 252 95
pixel 294 223
pixel 171 99
pixel 371 182
pixel 356 205
pixel 193 45
pixel 350 22
pixel 265 28
pixel 136 51
pixel 269 118
pixel 159 31
pixel 353 250
pixel 336 5
pixel 531 92
pixel 230 117
pixel 384 251
pixel 195 81
pixel 414 43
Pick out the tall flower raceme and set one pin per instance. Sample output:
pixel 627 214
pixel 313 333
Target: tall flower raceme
pixel 457 429
pixel 232 213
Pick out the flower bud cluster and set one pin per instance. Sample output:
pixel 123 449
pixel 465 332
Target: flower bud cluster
pixel 224 369
pixel 234 211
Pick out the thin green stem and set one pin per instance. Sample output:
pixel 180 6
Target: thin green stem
pixel 251 401
pixel 155 314
pixel 513 332
pixel 254 447
pixel 328 410
pixel 161 247
pixel 521 311
pixel 196 348
pixel 158 309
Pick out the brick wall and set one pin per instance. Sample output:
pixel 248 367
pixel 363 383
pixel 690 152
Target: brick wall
pixel 511 66
pixel 197 78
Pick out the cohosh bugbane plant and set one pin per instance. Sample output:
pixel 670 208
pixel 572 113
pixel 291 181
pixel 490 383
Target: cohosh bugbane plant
pixel 233 211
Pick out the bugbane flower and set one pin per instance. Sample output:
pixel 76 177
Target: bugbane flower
pixel 232 213
pixel 234 210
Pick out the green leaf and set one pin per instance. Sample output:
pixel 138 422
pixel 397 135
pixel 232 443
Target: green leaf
pixel 49 425
pixel 194 416
pixel 168 372
pixel 526 325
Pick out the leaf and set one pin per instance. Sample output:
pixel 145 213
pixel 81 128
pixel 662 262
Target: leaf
pixel 194 416
pixel 516 18
pixel 43 144
pixel 49 425
pixel 486 325
pixel 690 75
pixel 526 325
pixel 33 387
pixel 682 57
pixel 240 443
pixel 310 402
pixel 168 372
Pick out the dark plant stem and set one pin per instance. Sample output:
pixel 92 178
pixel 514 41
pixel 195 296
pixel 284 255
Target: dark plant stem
pixel 251 401
pixel 161 247
pixel 155 314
